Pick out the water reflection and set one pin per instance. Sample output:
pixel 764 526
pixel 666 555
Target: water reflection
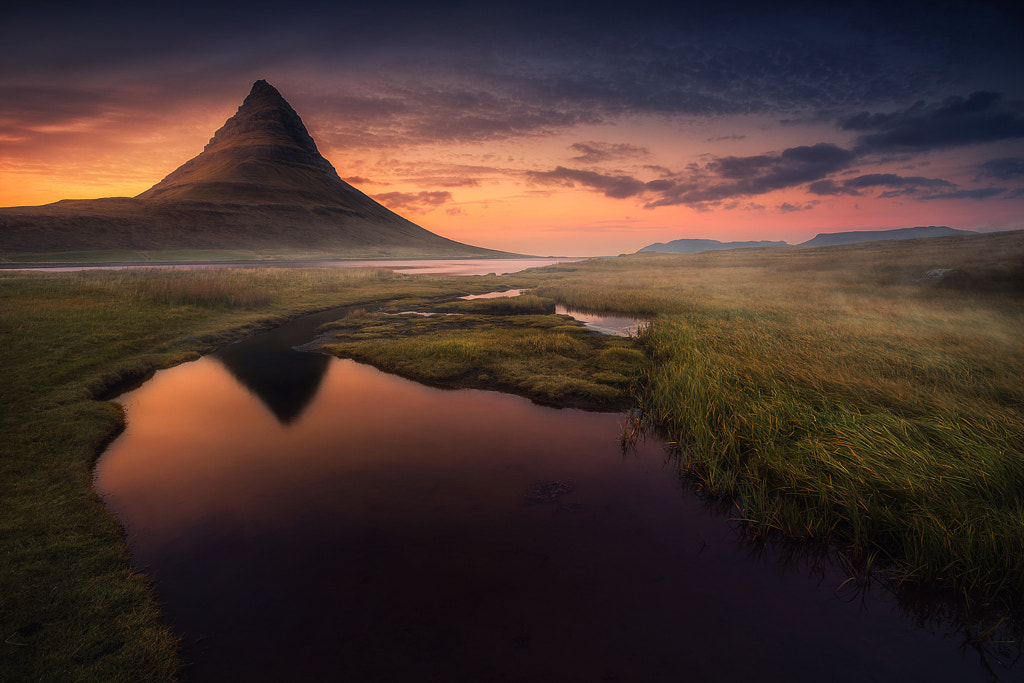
pixel 617 325
pixel 284 380
pixel 393 531
pixel 504 294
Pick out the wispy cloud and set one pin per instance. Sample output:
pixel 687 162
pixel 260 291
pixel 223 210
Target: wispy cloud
pixel 414 202
pixel 897 185
pixel 1005 168
pixel 598 152
pixel 719 179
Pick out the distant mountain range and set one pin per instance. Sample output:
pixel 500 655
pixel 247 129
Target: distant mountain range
pixel 260 183
pixel 695 246
pixel 828 239
pixel 825 239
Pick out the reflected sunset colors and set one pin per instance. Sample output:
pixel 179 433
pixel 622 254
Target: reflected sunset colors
pixel 371 528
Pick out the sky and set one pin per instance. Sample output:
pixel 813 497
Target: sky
pixel 544 127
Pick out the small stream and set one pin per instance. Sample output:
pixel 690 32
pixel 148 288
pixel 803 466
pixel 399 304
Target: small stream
pixel 310 518
pixel 621 326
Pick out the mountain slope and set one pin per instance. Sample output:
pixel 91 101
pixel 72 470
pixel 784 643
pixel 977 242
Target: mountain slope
pixel 260 183
pixel 696 246
pixel 828 239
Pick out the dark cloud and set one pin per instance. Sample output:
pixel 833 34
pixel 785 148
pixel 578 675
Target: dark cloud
pixel 1007 168
pixel 414 202
pixel 465 71
pixel 614 186
pixel 978 118
pixel 730 177
pixel 32 107
pixel 786 207
pixel 980 193
pixel 718 180
pixel 598 152
pixel 898 185
pixel 412 114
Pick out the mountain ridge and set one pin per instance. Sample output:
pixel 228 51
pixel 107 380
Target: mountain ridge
pixel 697 246
pixel 826 239
pixel 823 239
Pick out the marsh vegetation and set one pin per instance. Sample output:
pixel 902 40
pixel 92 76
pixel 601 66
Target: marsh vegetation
pixel 810 389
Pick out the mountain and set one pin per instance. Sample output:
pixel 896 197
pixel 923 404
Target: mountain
pixel 828 239
pixel 695 246
pixel 260 183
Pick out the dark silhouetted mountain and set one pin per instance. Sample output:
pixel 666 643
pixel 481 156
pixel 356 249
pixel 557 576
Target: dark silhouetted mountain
pixel 260 183
pixel 695 246
pixel 828 239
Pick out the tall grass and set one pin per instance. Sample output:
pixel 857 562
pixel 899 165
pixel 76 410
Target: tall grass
pixel 832 403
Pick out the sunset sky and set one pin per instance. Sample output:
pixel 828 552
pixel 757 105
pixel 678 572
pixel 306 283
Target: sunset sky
pixel 548 128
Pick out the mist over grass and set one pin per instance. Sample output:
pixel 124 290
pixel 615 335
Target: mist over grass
pixel 830 401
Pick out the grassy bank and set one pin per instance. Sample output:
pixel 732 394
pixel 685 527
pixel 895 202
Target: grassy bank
pixel 831 401
pixel 516 345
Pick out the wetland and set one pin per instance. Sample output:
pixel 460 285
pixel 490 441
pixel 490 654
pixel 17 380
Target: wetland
pixel 799 404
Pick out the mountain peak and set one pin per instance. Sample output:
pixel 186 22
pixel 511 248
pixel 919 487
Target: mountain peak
pixel 259 183
pixel 261 154
pixel 264 117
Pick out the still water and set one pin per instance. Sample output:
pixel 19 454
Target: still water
pixel 408 266
pixel 309 518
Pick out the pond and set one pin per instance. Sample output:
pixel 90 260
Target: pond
pixel 309 518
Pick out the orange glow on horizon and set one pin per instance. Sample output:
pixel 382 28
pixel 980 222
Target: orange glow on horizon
pixel 489 197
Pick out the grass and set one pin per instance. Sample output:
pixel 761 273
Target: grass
pixel 516 345
pixel 824 400
pixel 111 255
pixel 832 403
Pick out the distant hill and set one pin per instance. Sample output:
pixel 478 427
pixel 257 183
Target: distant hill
pixel 260 183
pixel 828 239
pixel 695 246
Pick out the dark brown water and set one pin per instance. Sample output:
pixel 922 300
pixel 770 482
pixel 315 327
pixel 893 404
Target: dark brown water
pixel 307 518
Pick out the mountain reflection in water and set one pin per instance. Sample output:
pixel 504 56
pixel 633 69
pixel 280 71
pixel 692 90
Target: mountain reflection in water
pixel 378 529
pixel 284 380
